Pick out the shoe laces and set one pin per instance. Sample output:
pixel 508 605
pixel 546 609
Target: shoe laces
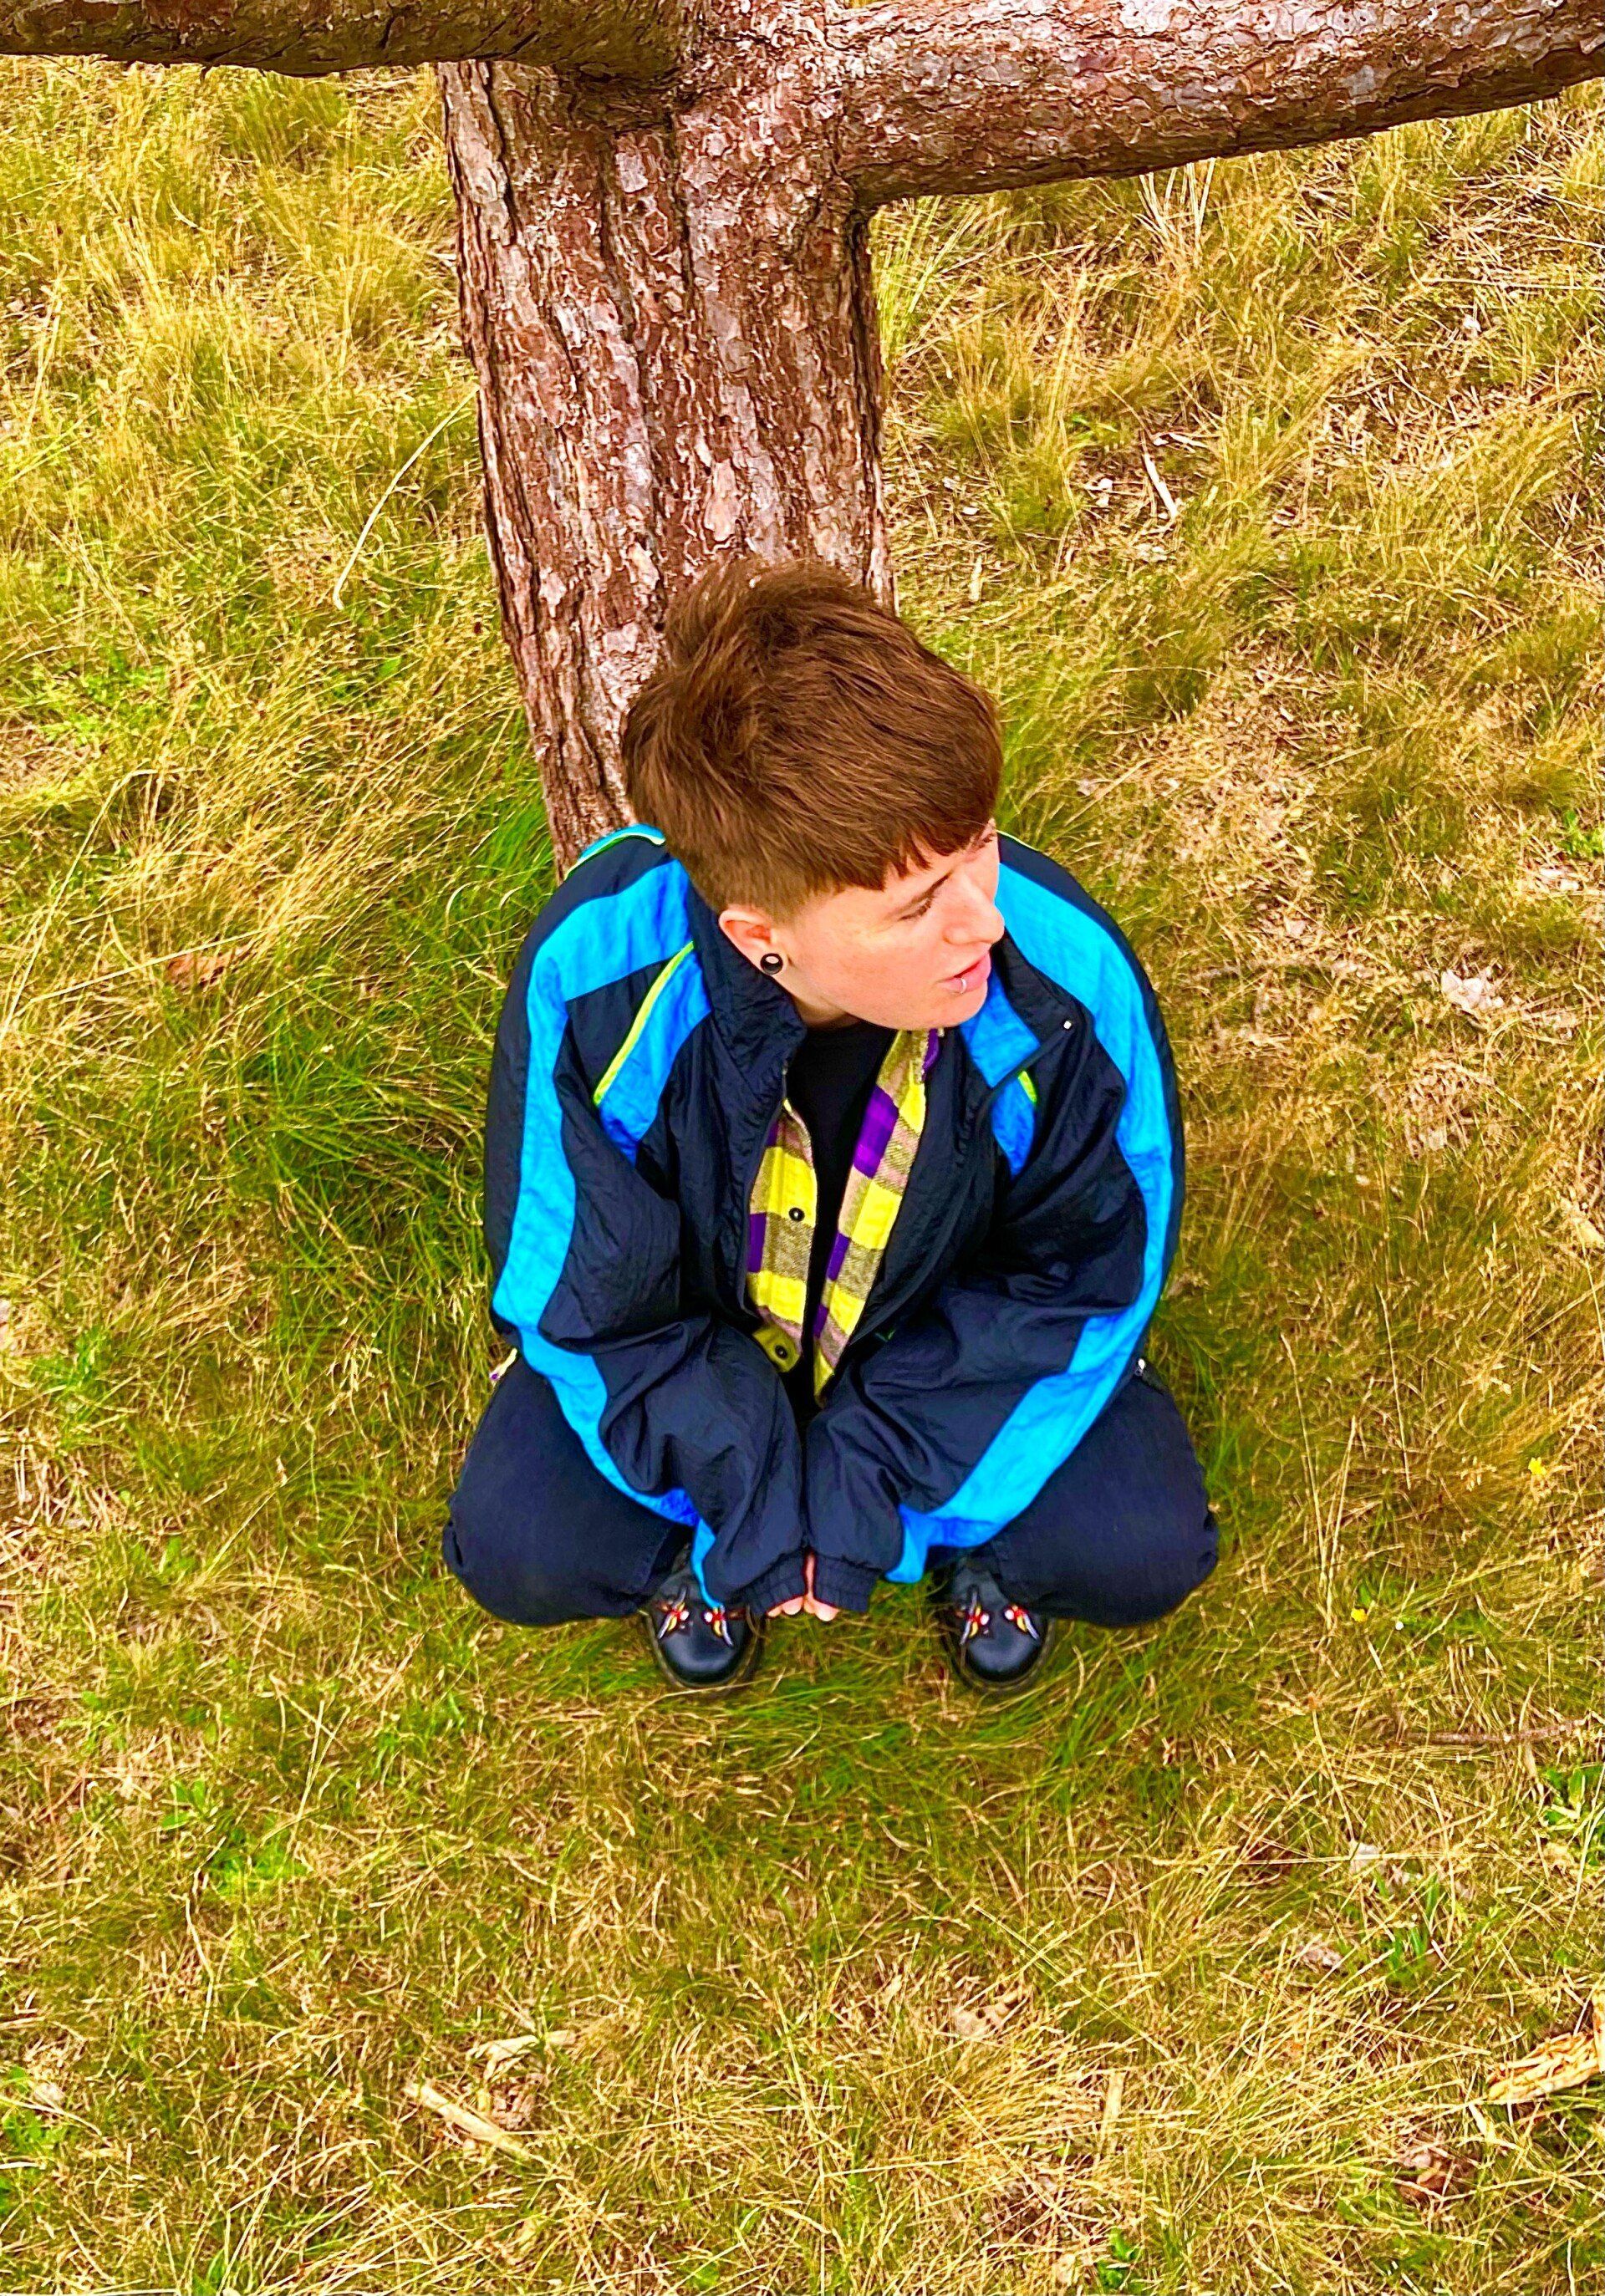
pixel 974 1619
pixel 674 1616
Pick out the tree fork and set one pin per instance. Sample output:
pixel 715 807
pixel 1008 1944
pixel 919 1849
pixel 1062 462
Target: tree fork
pixel 663 209
pixel 678 357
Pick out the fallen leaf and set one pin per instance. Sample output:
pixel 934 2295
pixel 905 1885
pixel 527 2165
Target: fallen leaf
pixel 498 2054
pixel 514 2105
pixel 1267 1859
pixel 465 2119
pixel 1471 992
pixel 1565 2062
pixel 1432 2173
pixel 199 968
pixel 974 2025
pixel 1074 2265
pixel 987 2022
pixel 1582 1228
pixel 1319 1955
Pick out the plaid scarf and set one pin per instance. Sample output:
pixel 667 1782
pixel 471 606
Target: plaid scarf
pixel 784 1205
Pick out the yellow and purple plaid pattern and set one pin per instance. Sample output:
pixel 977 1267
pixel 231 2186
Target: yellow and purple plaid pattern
pixel 784 1205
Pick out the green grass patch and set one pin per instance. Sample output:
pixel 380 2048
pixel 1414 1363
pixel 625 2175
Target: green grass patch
pixel 1261 494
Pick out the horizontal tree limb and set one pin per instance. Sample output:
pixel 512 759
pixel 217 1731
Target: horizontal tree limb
pixel 982 95
pixel 629 39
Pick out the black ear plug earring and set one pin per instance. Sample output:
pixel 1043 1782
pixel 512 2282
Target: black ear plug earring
pixel 771 960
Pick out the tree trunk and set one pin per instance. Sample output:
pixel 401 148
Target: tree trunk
pixel 663 258
pixel 666 287
pixel 673 321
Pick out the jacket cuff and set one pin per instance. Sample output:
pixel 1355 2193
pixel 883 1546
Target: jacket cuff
pixel 848 1585
pixel 779 1584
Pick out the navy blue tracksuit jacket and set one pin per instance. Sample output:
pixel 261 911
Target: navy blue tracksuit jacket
pixel 623 1136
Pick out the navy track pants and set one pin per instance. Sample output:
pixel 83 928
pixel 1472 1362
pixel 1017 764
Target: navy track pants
pixel 1121 1533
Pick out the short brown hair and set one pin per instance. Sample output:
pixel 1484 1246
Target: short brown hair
pixel 796 737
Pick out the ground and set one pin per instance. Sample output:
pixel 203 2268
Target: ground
pixel 1261 497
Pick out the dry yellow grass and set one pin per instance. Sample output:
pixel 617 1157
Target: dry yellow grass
pixel 1264 497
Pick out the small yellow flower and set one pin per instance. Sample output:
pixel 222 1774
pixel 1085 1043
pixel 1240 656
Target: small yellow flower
pixel 1538 1469
pixel 1360 1614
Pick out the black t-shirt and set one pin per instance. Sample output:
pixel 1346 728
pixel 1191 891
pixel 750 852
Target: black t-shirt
pixel 828 1082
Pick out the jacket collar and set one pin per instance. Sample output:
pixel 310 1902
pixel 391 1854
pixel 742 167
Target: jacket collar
pixel 1040 1002
pixel 762 1028
pixel 757 1019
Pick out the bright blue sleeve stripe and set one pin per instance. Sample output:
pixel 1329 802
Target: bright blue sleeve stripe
pixel 631 1102
pixel 1055 1412
pixel 600 941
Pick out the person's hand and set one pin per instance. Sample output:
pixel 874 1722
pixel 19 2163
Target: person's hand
pixel 807 1602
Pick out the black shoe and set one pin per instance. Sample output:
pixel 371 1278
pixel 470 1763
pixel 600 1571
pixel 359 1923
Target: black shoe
pixel 699 1645
pixel 991 1643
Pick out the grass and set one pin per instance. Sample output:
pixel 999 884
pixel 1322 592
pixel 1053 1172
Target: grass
pixel 1262 497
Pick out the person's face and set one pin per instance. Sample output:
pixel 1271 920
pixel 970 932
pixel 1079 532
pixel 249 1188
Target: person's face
pixel 913 956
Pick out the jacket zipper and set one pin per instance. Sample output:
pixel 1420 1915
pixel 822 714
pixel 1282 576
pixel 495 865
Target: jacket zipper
pixel 746 1197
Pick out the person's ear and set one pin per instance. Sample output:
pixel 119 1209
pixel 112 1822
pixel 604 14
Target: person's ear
pixel 751 930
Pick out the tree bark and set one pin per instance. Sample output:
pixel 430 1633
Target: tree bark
pixel 663 212
pixel 673 318
pixel 638 39
pixel 667 294
pixel 987 95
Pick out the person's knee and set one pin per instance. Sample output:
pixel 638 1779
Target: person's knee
pixel 1154 1578
pixel 1131 1581
pixel 501 1571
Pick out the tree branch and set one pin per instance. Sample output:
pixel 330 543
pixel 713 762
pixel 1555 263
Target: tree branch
pixel 985 96
pixel 625 39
